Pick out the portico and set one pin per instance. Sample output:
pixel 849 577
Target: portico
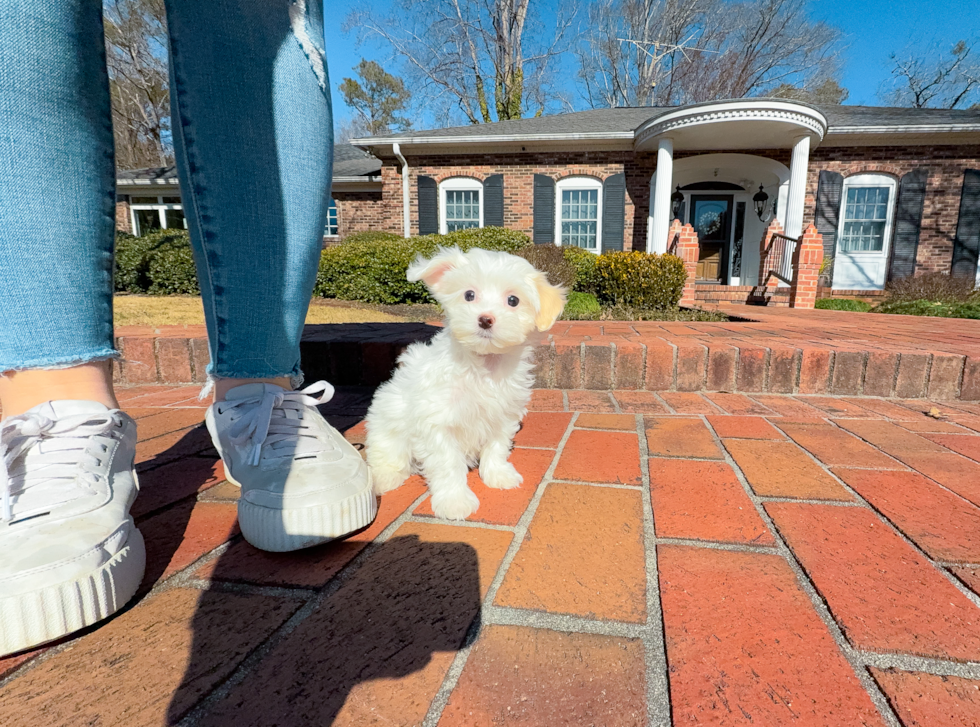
pixel 719 193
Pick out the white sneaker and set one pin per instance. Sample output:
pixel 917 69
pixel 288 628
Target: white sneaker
pixel 70 554
pixel 302 482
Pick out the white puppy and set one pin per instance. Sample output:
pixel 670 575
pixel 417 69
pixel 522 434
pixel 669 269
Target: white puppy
pixel 460 399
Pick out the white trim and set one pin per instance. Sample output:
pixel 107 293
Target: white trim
pixel 494 138
pixel 457 184
pixel 792 114
pixel 579 183
pixel 406 205
pixel 871 179
pixel 905 129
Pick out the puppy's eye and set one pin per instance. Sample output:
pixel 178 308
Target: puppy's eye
pixel 513 301
pixel 469 295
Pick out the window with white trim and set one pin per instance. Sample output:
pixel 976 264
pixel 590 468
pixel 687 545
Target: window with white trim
pixel 461 203
pixel 332 228
pixel 156 213
pixel 867 213
pixel 579 213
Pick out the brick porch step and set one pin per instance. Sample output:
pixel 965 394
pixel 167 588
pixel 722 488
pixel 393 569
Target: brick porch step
pixel 780 351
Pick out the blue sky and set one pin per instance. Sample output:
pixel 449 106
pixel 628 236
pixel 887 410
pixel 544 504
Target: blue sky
pixel 872 29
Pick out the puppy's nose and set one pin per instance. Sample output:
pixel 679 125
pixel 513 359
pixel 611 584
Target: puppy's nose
pixel 485 322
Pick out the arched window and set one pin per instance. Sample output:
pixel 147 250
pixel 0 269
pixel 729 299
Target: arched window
pixel 461 204
pixel 578 213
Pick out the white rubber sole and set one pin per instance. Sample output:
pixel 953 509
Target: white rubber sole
pixel 35 618
pixel 281 531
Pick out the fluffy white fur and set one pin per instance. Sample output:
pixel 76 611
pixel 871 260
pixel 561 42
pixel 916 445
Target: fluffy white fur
pixel 459 399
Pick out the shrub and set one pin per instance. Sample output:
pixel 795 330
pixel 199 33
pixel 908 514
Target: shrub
pixel 371 267
pixel 969 309
pixel 159 263
pixel 551 261
pixel 843 304
pixel 584 263
pixel 581 306
pixel 172 270
pixel 639 280
pixel 931 286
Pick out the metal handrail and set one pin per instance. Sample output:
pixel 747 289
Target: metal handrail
pixel 775 258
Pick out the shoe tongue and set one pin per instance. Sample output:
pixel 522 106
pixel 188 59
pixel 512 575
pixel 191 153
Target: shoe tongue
pixel 70 407
pixel 251 391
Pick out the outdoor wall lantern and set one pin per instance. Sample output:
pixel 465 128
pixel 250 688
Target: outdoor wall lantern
pixel 761 200
pixel 676 200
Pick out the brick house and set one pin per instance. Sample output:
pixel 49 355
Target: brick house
pixel 894 192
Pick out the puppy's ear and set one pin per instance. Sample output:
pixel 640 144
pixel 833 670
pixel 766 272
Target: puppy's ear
pixel 431 271
pixel 551 305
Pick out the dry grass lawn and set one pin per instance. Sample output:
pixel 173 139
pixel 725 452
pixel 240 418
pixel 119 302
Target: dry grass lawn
pixel 176 310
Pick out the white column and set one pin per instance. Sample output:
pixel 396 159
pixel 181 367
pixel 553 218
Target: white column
pixel 661 195
pixel 793 223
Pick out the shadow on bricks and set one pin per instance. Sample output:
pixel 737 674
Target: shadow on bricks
pixel 401 615
pixel 358 354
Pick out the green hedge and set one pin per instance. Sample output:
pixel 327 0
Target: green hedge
pixel 639 280
pixel 158 263
pixel 584 263
pixel 847 304
pixel 371 266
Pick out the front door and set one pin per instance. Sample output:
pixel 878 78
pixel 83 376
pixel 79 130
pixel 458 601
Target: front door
pixel 711 217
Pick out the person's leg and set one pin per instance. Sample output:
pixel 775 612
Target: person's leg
pixel 253 139
pixel 57 205
pixel 67 481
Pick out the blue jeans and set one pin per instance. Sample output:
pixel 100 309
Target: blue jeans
pixel 253 136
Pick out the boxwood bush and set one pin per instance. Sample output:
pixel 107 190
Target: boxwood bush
pixel 584 263
pixel 639 280
pixel 371 266
pixel 551 260
pixel 158 263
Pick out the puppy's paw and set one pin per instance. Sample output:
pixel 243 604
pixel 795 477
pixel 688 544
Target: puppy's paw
pixel 458 504
pixel 501 477
pixel 386 479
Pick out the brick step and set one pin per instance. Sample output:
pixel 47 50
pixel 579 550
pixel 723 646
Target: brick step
pixel 587 356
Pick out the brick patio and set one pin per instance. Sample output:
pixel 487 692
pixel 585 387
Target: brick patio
pixel 672 557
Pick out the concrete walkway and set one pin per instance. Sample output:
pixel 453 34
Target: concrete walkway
pixel 672 558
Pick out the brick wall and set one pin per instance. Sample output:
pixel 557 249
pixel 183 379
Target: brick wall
pixel 124 223
pixel 363 211
pixel 942 203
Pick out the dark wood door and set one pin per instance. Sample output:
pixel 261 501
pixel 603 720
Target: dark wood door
pixel 711 217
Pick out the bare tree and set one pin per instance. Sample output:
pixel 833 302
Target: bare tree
pixel 827 93
pixel 935 80
pixel 136 56
pixel 354 128
pixel 668 52
pixel 485 59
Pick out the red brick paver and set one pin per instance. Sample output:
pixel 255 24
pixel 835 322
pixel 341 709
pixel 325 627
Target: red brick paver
pixel 759 566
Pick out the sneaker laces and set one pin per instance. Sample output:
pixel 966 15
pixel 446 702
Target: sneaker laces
pixel 275 417
pixel 60 460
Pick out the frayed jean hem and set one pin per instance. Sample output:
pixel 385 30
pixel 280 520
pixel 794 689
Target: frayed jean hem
pixel 296 379
pixel 53 364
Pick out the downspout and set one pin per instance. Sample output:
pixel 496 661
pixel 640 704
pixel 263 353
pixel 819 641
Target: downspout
pixel 406 217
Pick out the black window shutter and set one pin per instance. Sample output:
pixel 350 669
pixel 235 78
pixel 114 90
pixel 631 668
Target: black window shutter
pixel 493 201
pixel 966 245
pixel 908 223
pixel 827 214
pixel 544 210
pixel 428 206
pixel 613 212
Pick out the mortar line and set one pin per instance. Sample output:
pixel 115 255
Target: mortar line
pixel 561 622
pixel 433 520
pixel 714 545
pixel 263 649
pixel 659 710
pixel 663 402
pixel 928 665
pixel 451 679
pixel 611 485
pixel 820 606
pixel 615 403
